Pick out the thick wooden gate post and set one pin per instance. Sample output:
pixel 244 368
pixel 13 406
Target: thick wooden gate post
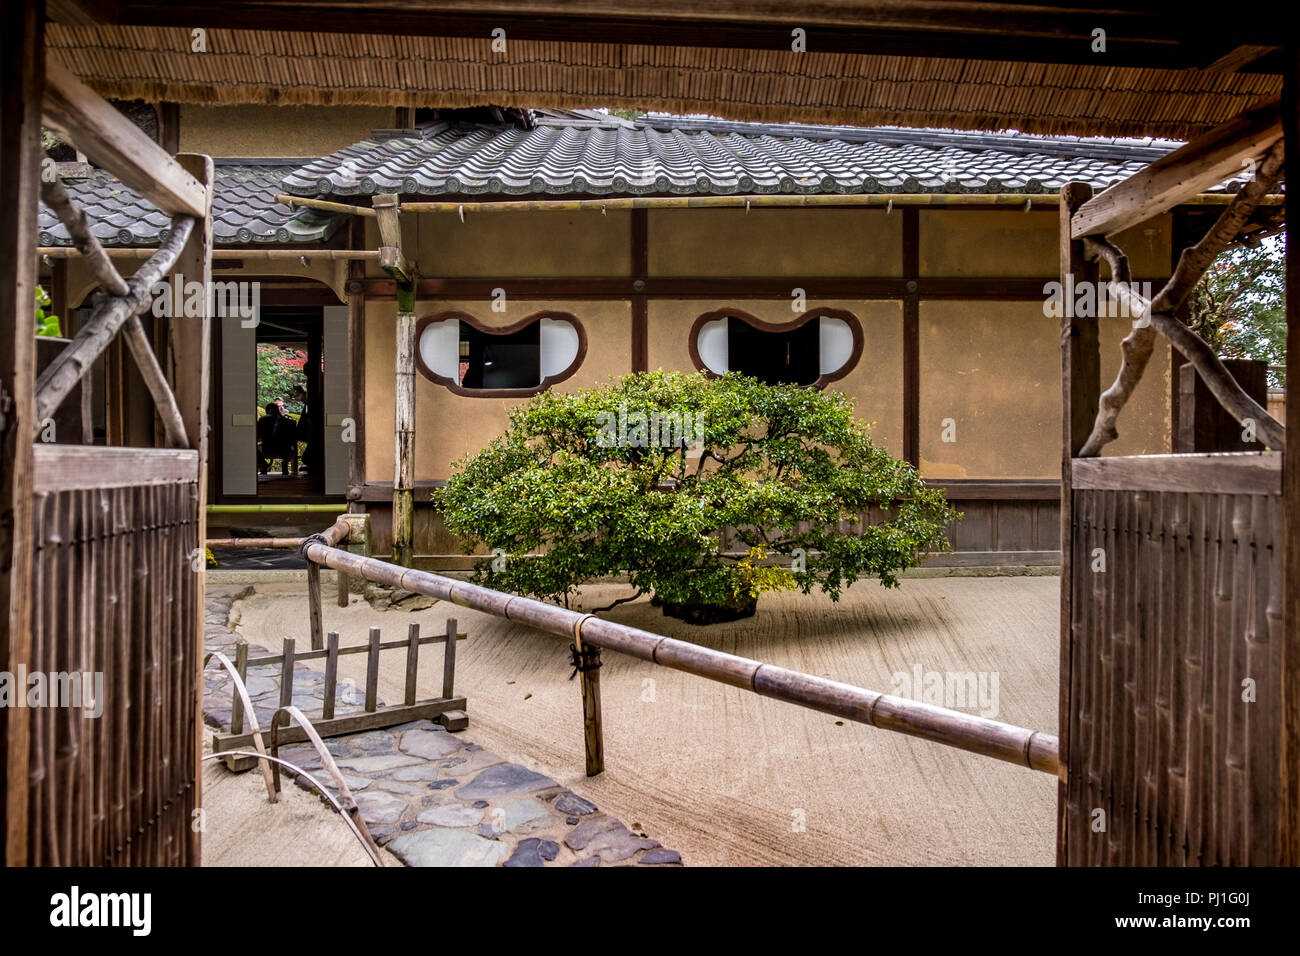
pixel 1290 749
pixel 22 79
pixel 1080 396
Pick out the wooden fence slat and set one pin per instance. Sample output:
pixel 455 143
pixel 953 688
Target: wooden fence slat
pixel 372 671
pixel 413 659
pixel 331 676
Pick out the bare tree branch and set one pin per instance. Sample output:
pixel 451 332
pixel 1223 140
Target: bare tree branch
pixel 1159 315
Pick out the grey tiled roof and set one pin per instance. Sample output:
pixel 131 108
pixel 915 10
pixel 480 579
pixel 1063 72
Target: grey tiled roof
pixel 603 155
pixel 244 211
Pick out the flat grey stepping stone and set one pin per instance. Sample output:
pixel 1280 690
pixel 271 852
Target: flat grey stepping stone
pixel 379 807
pixel 374 742
pixel 429 744
pixel 447 848
pixel 589 861
pixel 518 814
pixel 574 805
pixel 503 780
pixel 399 786
pixel 609 839
pixel 451 815
pixel 661 856
pixel 416 773
pixel 527 853
pixel 376 764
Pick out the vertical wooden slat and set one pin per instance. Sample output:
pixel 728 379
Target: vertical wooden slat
pixel 314 607
pixel 412 661
pixel 286 673
pixel 237 703
pixel 372 671
pixel 449 661
pixel 331 675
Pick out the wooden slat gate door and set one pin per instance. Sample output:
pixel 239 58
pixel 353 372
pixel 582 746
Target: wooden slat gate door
pixel 116 586
pixel 1175 679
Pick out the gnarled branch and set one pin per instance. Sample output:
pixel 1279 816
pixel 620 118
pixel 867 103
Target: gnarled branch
pixel 1159 315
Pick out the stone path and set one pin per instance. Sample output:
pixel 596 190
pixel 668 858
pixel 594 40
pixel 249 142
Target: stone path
pixel 431 797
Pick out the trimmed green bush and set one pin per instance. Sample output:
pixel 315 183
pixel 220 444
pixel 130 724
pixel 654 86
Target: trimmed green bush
pixel 643 477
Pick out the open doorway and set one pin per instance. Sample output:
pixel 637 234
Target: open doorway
pixel 290 427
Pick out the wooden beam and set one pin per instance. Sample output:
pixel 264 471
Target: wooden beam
pixel 1080 393
pixel 190 361
pixel 22 71
pixel 112 141
pixel 1203 163
pixel 391 257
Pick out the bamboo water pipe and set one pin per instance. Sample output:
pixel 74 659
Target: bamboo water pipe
pixel 980 735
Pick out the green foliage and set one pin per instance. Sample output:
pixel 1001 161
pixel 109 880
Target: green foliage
pixel 1239 306
pixel 789 468
pixel 47 323
pixel 279 369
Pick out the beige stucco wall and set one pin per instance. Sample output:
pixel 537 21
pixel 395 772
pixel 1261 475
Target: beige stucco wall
pixel 994 370
pixel 964 243
pixel 875 384
pixel 271 131
pixel 768 243
pixel 523 244
pixel 448 426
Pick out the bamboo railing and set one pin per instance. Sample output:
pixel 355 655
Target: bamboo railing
pixel 590 634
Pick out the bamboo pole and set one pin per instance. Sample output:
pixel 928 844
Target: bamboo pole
pixel 247 255
pixel 969 732
pixel 765 201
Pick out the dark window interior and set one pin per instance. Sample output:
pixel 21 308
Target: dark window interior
pixel 500 361
pixel 791 357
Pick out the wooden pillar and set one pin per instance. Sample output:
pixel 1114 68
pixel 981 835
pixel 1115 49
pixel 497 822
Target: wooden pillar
pixel 190 364
pixel 404 439
pixel 1290 749
pixel 22 77
pixel 640 304
pixel 911 336
pixel 1080 396
pixel 393 260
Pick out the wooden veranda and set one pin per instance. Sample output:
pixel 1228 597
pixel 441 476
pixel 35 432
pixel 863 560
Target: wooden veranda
pixel 1179 709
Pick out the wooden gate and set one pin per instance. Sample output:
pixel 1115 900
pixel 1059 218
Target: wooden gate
pixel 1175 723
pixel 115 592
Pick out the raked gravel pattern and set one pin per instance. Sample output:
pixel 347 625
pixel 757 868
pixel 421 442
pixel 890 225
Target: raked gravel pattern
pixel 430 797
